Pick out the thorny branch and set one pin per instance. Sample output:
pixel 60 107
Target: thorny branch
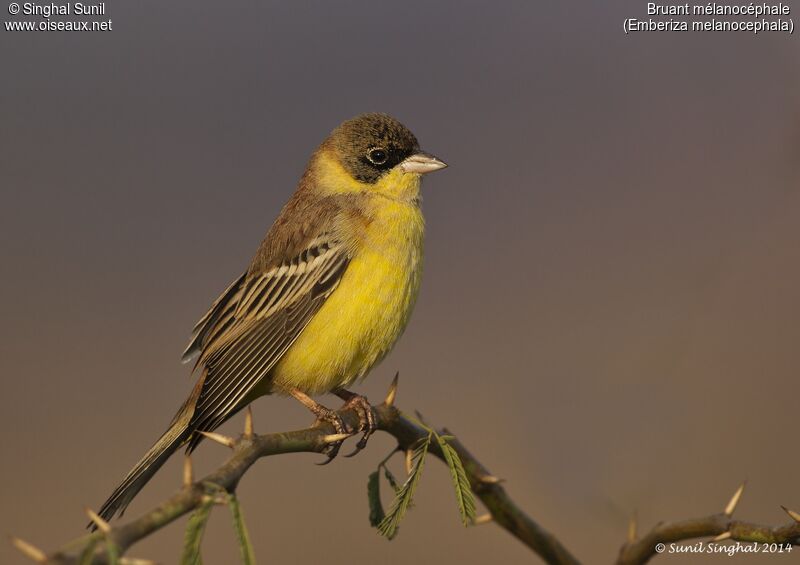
pixel 722 526
pixel 249 447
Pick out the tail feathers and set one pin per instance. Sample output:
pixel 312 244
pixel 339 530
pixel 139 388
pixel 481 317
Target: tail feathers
pixel 144 470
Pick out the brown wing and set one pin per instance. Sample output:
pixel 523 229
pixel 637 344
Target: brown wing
pixel 255 321
pixel 217 319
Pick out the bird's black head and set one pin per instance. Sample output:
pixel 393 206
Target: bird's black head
pixel 371 144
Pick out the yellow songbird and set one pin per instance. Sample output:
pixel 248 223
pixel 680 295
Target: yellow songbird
pixel 325 298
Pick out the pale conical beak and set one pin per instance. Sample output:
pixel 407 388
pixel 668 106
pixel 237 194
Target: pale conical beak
pixel 422 163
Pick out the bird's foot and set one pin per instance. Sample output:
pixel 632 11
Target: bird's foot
pixel 325 415
pixel 366 416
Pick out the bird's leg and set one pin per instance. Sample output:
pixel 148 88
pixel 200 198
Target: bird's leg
pixel 323 414
pixel 366 416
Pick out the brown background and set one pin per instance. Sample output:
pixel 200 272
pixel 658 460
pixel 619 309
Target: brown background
pixel 609 316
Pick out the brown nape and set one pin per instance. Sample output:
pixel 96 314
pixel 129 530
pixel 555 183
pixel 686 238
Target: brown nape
pixel 371 144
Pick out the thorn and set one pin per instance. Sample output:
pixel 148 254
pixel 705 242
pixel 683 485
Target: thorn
pixel 219 438
pixel 632 528
pixel 392 394
pixel 101 524
pixel 135 561
pixel 734 500
pixel 188 474
pixel 248 423
pixel 420 417
pixel 29 550
pixel 409 461
pixel 333 438
pixel 491 479
pixel 483 519
pixel 722 537
pixel 792 514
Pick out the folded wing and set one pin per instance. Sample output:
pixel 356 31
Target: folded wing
pixel 254 322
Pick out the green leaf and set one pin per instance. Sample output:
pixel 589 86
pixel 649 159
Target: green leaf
pixel 388 526
pixel 112 551
pixel 248 556
pixel 87 555
pixel 391 478
pixel 376 513
pixel 195 528
pixel 464 496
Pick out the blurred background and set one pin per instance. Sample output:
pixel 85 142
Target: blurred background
pixel 608 317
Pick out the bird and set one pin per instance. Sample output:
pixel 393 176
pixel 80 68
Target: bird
pixel 325 298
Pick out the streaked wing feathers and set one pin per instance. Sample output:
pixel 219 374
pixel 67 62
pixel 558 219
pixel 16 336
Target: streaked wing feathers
pixel 218 316
pixel 244 338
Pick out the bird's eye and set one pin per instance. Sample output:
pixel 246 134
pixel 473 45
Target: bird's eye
pixel 377 156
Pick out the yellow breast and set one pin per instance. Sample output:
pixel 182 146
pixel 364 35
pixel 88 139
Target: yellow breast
pixel 366 314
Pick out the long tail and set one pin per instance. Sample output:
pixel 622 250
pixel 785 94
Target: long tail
pixel 179 431
pixel 144 470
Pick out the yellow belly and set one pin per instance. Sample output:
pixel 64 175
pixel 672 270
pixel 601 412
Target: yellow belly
pixel 366 314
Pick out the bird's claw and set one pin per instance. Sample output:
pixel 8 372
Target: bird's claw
pixel 332 417
pixel 366 420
